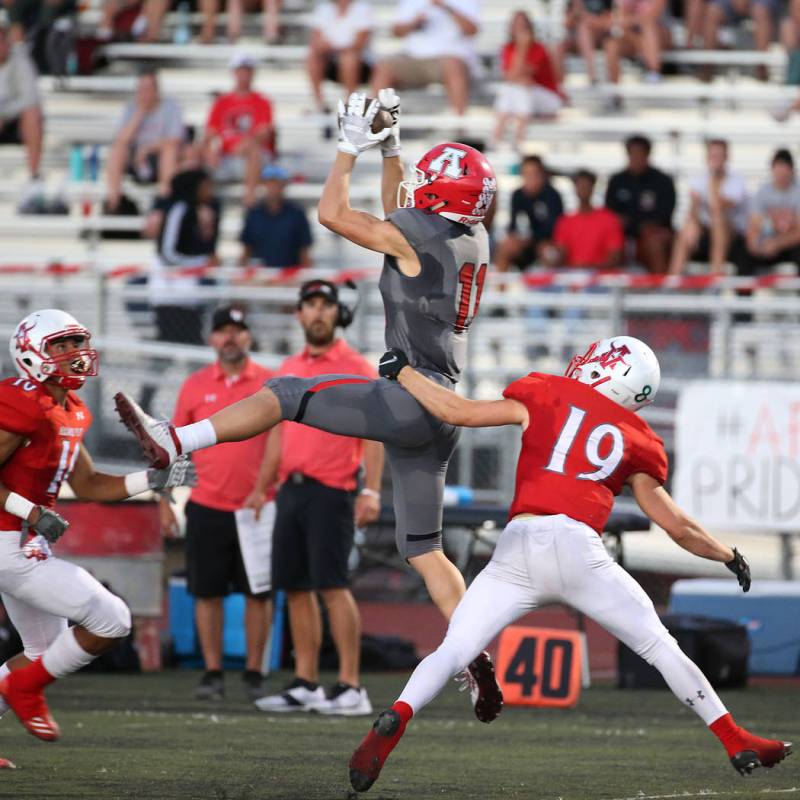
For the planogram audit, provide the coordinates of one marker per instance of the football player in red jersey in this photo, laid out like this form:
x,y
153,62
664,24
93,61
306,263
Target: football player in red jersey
x,y
42,424
581,443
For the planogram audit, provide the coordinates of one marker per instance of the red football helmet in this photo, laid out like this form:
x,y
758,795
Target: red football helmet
x,y
452,179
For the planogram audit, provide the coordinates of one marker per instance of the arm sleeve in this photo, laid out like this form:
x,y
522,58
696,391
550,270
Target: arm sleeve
x,y
525,389
652,458
18,413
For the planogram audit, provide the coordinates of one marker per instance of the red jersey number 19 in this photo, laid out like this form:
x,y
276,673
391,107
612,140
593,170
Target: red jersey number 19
x,y
606,464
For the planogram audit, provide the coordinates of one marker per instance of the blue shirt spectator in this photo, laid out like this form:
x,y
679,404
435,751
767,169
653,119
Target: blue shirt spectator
x,y
276,231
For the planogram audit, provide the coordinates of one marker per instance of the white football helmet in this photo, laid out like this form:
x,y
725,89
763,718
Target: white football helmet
x,y
622,368
28,347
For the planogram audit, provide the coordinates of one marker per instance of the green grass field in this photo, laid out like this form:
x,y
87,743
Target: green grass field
x,y
145,737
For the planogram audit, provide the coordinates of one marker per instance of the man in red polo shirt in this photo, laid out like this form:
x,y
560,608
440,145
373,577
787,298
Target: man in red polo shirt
x,y
316,517
589,237
226,476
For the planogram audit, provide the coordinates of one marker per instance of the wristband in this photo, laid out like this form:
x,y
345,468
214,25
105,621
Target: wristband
x,y
18,506
136,483
371,493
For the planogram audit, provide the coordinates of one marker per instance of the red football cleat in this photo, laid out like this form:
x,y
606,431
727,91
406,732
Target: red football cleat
x,y
31,710
6,764
370,756
758,752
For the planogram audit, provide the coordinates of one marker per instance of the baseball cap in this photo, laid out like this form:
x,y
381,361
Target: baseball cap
x,y
229,315
274,172
242,59
319,288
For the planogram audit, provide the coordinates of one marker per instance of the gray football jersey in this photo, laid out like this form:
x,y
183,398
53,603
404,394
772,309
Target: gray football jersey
x,y
428,316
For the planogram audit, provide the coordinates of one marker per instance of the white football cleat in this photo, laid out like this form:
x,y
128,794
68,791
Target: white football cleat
x,y
295,697
346,701
157,438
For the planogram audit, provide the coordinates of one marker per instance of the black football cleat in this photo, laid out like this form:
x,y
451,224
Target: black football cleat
x,y
485,692
766,756
370,756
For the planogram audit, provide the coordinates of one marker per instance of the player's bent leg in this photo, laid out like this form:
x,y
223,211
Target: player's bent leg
x,y
610,596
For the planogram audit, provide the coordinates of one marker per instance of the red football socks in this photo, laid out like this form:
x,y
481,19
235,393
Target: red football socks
x,y
32,678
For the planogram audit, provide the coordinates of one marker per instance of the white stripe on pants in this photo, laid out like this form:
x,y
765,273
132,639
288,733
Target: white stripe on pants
x,y
556,559
40,596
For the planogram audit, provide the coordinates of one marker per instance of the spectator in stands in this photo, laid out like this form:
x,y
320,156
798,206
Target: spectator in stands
x,y
276,231
240,135
731,12
188,238
639,30
773,231
439,47
235,12
530,88
338,47
215,564
589,237
644,198
21,113
587,23
147,142
535,208
717,218
315,518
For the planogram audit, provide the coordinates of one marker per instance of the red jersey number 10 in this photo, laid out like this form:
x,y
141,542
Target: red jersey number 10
x,y
470,283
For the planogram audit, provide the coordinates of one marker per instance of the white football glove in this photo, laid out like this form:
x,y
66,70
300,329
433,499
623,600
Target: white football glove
x,y
180,473
390,101
355,135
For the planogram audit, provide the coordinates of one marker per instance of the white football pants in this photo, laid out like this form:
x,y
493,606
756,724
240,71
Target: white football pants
x,y
556,559
41,595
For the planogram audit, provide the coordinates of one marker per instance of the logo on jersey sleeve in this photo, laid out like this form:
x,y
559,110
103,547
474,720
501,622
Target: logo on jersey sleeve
x,y
452,157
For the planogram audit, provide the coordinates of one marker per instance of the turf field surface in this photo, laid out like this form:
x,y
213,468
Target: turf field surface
x,y
144,736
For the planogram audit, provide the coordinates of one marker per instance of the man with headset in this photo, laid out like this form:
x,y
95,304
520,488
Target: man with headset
x,y
316,514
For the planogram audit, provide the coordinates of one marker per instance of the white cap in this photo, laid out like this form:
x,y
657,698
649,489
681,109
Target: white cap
x,y
242,59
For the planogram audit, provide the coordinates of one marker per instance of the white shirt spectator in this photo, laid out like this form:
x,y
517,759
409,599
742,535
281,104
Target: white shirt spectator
x,y
440,35
341,30
733,189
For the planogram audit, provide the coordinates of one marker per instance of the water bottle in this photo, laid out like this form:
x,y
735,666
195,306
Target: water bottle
x,y
457,495
183,31
93,163
76,163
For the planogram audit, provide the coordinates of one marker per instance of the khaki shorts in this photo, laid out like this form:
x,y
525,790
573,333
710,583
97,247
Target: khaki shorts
x,y
410,73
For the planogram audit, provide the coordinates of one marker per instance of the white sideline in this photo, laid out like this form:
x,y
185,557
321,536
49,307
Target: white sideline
x,y
711,793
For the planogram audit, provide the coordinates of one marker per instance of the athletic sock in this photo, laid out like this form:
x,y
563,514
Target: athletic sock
x,y
383,745
64,656
196,436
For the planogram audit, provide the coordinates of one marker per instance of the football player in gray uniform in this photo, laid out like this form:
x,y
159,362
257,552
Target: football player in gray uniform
x,y
436,253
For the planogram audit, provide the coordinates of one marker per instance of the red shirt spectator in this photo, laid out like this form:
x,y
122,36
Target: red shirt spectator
x,y
226,472
234,116
537,59
590,238
326,457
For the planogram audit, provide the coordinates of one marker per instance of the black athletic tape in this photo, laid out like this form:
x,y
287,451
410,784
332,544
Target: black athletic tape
x,y
421,537
301,411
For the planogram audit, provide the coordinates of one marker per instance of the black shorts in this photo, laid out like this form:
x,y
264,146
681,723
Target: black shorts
x,y
214,565
332,70
312,537
10,132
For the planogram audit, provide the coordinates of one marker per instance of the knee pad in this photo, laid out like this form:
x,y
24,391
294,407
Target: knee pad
x,y
107,615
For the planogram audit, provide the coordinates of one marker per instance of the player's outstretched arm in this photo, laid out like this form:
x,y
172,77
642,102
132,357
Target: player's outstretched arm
x,y
656,502
99,487
446,404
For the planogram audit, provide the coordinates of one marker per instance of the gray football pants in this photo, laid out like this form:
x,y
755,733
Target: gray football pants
x,y
418,446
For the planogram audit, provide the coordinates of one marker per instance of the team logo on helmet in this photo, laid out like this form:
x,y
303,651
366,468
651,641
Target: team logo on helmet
x,y
452,157
22,336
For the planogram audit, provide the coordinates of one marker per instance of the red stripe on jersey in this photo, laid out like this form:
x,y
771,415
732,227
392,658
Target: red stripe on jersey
x,y
338,382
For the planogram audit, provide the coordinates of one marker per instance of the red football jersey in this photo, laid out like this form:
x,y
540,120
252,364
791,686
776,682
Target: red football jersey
x,y
53,435
578,450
